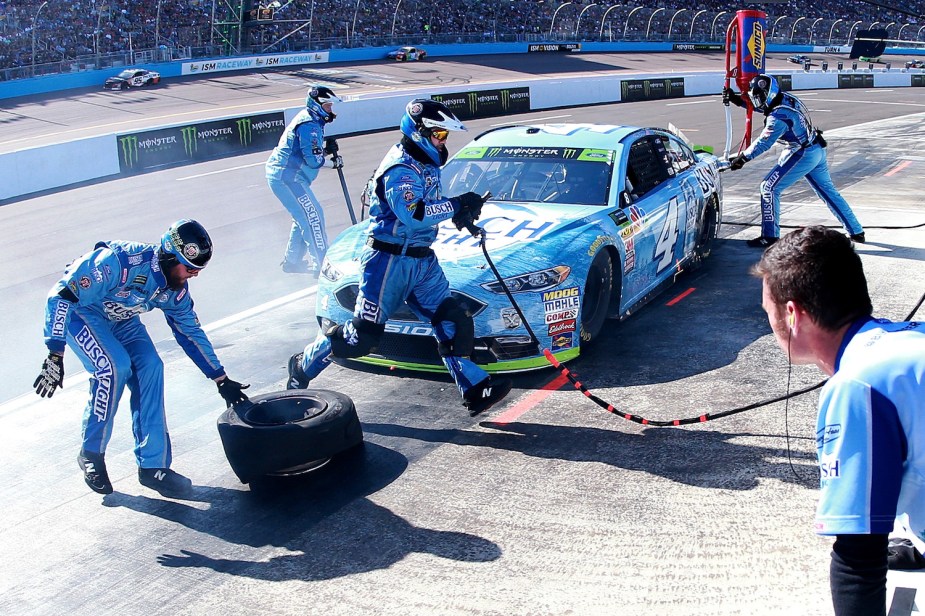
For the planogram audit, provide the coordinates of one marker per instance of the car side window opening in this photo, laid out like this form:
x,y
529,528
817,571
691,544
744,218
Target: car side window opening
x,y
648,165
680,157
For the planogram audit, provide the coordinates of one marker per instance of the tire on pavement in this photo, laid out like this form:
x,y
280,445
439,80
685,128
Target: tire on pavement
x,y
596,300
706,235
288,432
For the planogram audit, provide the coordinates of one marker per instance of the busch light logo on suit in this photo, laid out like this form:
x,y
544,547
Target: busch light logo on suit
x,y
102,394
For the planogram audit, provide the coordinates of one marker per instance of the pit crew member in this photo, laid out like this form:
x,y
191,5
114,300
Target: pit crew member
x,y
94,308
292,167
398,264
788,120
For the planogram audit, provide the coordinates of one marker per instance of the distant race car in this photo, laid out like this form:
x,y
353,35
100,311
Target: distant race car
x,y
407,54
799,59
869,58
915,64
586,222
132,78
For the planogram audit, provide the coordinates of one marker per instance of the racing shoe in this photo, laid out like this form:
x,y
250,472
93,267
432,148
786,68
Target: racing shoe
x,y
858,237
95,474
166,482
762,241
485,395
301,267
297,378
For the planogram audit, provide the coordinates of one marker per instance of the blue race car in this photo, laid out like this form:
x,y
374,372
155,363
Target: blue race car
x,y
585,223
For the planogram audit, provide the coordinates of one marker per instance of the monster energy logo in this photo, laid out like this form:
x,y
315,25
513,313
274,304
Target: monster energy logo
x,y
493,152
569,153
190,140
244,131
473,101
505,99
129,150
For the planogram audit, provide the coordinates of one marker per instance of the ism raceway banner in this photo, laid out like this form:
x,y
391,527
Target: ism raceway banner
x,y
486,103
253,63
163,147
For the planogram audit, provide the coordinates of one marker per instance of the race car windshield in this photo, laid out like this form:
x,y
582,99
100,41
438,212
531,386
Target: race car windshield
x,y
544,180
127,74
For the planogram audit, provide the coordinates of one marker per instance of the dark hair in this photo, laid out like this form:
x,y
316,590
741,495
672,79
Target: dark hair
x,y
819,269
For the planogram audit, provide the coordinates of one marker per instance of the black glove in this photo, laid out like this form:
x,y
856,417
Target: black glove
x,y
472,202
470,208
51,377
731,96
738,162
231,391
330,146
337,161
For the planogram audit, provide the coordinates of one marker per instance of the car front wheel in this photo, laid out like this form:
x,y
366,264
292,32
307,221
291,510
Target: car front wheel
x,y
596,298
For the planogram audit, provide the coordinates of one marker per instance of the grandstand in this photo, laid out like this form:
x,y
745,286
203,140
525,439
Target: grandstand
x,y
58,36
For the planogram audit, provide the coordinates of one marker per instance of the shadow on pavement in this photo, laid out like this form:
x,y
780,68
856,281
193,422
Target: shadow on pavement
x,y
324,516
692,457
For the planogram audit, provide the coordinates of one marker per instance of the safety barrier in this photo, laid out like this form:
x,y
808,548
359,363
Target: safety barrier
x,y
116,155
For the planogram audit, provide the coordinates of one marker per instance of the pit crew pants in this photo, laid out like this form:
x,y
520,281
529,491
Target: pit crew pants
x,y
308,232
791,166
116,354
386,281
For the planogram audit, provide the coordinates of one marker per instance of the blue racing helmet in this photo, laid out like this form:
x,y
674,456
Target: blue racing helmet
x,y
424,118
315,100
762,90
186,242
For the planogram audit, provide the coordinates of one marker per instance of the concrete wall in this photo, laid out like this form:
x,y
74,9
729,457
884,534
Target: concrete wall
x,y
98,157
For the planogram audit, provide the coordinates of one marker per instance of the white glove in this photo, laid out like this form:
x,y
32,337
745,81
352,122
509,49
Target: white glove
x,y
335,162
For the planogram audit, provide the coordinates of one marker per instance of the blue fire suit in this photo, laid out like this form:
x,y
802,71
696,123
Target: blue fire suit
x,y
113,285
405,209
805,156
290,170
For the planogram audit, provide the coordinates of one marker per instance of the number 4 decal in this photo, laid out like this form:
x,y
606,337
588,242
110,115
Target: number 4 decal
x,y
667,237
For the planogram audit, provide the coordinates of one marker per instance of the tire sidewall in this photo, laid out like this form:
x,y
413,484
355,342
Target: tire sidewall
x,y
598,288
256,450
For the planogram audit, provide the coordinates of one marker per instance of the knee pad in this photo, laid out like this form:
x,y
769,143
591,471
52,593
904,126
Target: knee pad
x,y
356,339
463,342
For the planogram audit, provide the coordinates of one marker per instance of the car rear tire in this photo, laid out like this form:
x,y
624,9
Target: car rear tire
x,y
596,300
288,433
709,228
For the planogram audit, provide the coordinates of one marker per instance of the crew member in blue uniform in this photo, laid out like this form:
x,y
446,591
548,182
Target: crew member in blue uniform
x,y
292,167
398,264
870,439
787,120
94,308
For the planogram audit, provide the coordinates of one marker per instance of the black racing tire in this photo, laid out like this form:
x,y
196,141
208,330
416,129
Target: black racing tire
x,y
123,86
709,229
596,300
288,432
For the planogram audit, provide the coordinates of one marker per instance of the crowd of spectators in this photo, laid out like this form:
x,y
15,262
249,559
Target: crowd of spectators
x,y
36,32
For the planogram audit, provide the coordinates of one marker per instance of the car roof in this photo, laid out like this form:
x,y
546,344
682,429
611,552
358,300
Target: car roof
x,y
601,136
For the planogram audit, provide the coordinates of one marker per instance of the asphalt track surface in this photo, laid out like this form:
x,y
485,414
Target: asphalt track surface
x,y
547,505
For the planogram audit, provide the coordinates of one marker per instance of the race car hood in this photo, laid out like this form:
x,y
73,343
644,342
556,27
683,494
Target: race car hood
x,y
510,227
513,226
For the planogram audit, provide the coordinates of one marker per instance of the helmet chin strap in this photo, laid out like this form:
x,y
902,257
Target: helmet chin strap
x,y
166,261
